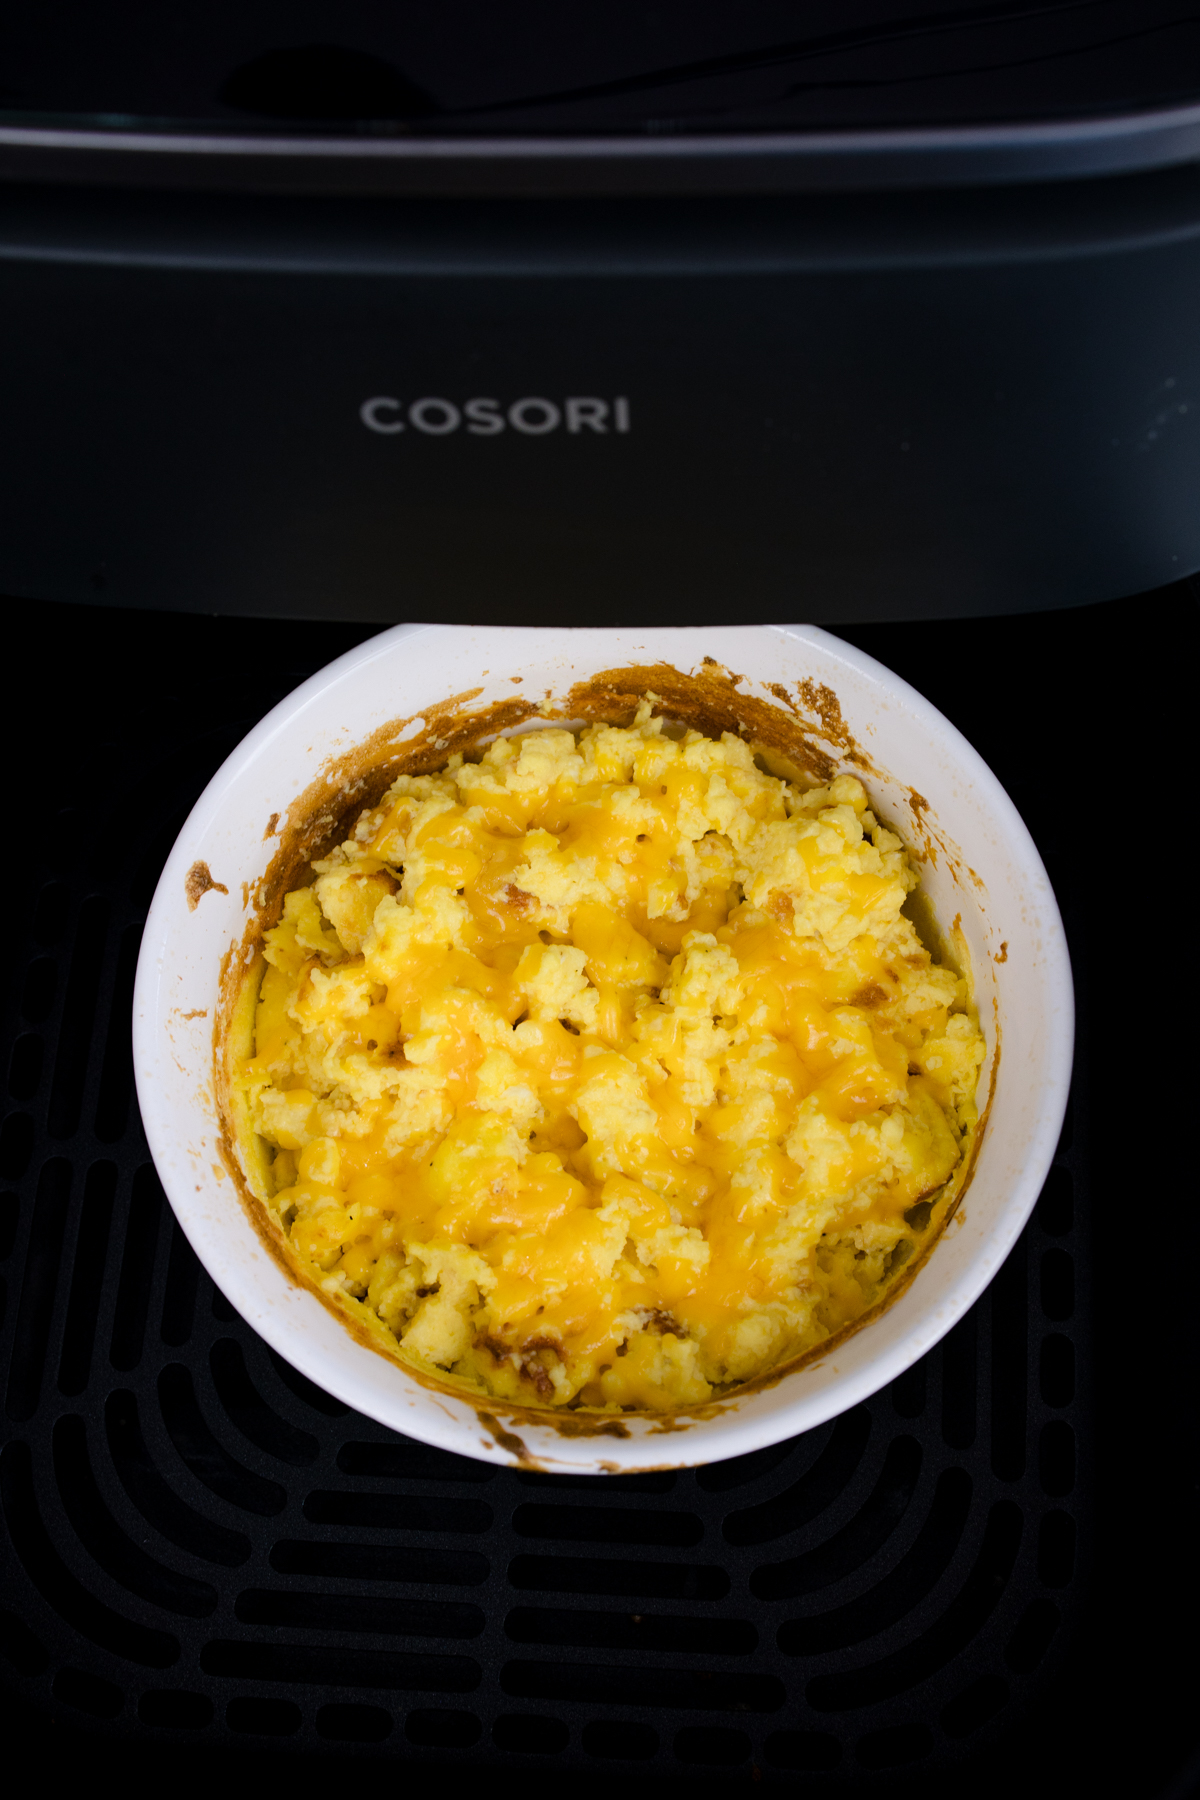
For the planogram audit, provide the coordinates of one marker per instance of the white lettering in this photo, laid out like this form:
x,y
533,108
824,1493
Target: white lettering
x,y
435,417
519,416
485,417
532,416
592,413
370,410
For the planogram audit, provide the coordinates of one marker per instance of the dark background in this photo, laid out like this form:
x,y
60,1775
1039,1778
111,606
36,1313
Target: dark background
x,y
1086,717
471,66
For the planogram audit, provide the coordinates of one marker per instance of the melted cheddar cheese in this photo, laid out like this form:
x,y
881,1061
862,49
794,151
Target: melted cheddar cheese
x,y
606,1070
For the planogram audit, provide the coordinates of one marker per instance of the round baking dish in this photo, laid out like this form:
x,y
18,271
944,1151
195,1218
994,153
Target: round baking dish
x,y
417,684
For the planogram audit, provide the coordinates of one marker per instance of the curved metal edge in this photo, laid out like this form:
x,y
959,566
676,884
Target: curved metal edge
x,y
751,163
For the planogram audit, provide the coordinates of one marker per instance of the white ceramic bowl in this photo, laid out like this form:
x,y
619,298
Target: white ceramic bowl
x,y
925,779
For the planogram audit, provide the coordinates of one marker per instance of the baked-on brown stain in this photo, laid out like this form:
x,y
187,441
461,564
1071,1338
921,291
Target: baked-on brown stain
x,y
933,843
508,1440
708,701
322,816
1001,955
575,1422
816,698
197,882
710,662
272,822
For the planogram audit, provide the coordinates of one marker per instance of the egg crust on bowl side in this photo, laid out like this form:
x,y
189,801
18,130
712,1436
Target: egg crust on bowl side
x,y
604,1069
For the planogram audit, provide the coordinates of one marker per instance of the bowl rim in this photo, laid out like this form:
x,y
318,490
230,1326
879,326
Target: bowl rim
x,y
725,1430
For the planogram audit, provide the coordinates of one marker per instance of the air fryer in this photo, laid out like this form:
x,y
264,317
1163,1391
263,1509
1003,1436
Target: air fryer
x,y
881,316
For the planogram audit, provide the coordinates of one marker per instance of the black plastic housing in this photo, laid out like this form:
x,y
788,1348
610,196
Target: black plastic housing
x,y
850,407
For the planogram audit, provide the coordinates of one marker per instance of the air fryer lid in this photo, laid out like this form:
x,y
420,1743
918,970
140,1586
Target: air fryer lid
x,y
456,311
469,95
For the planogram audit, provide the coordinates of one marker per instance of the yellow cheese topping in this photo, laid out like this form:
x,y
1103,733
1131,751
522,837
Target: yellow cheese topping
x,y
606,1070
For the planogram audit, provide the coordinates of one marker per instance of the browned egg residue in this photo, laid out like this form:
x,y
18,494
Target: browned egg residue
x,y
822,702
199,882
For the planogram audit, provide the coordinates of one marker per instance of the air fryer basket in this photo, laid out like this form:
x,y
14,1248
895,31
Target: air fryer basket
x,y
202,1551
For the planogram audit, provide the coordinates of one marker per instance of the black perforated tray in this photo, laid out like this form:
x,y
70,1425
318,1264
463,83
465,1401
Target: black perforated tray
x,y
203,1552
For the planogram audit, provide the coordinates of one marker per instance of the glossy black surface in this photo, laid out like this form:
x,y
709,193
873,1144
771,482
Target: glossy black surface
x,y
873,407
461,67
206,1561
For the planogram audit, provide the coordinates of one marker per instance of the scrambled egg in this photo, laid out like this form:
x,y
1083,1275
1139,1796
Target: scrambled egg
x,y
606,1070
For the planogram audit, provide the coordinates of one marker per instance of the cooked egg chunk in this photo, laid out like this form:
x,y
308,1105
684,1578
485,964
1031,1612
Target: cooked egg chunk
x,y
607,1070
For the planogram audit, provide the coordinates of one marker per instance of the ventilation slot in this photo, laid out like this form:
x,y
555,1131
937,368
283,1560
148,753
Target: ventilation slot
x,y
397,1512
325,1665
600,1684
179,1296
146,1207
79,1008
380,1562
87,1278
594,1575
116,1070
655,1632
361,1613
38,1289
607,1525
